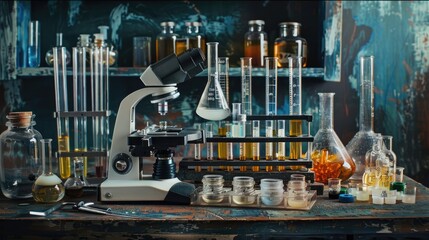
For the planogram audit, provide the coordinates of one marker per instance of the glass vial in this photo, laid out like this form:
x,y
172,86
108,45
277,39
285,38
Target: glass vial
x,y
34,45
269,132
255,145
272,192
281,146
210,145
61,105
295,88
290,44
212,104
113,53
243,190
74,185
49,57
213,188
48,188
229,147
224,76
197,149
256,43
364,139
330,157
19,156
166,40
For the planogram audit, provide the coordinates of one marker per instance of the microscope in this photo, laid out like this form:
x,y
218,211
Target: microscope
x,y
126,180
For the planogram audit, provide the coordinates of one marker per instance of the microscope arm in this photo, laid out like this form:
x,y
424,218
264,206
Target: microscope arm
x,y
125,124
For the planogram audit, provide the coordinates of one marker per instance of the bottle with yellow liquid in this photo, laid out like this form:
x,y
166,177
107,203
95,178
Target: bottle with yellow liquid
x,y
256,43
166,41
377,165
330,157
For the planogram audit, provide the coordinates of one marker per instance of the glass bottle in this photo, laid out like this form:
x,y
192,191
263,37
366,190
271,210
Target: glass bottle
x,y
290,44
390,177
194,36
49,57
166,40
48,187
330,157
256,43
113,53
84,41
376,163
363,140
19,158
212,104
74,185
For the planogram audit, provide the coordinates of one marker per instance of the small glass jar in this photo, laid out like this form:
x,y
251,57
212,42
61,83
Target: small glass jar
x,y
272,192
19,156
290,44
194,36
166,40
213,188
256,43
243,190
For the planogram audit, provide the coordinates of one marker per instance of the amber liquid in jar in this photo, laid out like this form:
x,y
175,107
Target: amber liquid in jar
x,y
254,50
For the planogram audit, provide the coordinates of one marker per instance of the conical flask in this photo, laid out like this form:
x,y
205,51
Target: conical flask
x,y
213,105
330,157
364,139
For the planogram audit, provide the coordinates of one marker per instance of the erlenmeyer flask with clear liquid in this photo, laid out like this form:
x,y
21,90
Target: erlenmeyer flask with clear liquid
x,y
213,105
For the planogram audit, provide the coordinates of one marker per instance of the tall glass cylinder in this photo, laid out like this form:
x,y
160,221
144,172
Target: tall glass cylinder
x,y
224,76
210,147
295,88
281,146
246,99
269,132
255,145
100,102
79,101
212,105
197,149
364,139
271,85
61,105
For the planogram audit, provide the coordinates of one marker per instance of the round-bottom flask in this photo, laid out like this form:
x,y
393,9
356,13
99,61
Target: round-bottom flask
x,y
74,185
48,187
330,157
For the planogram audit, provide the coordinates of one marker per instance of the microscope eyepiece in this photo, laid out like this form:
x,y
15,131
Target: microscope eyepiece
x,y
192,61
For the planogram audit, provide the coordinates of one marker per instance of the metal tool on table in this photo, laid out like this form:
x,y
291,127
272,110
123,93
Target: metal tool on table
x,y
126,180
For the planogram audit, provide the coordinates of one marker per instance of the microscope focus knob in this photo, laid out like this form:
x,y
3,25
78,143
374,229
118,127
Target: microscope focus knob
x,y
122,163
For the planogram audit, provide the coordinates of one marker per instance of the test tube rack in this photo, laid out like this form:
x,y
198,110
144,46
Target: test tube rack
x,y
193,170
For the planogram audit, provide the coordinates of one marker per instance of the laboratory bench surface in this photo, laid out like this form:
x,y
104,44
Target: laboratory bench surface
x,y
327,219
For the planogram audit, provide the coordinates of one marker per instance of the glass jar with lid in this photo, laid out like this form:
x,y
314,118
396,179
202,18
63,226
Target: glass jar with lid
x,y
256,43
194,36
290,44
20,162
166,40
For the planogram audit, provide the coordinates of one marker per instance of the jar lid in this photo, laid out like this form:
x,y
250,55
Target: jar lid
x,y
194,24
256,22
295,24
169,24
269,183
243,181
346,198
20,119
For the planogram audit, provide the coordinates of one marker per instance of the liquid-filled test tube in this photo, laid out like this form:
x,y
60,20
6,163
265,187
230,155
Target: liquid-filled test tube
x,y
79,101
223,63
210,155
221,146
269,132
229,147
197,149
246,97
281,148
271,85
295,87
61,105
255,145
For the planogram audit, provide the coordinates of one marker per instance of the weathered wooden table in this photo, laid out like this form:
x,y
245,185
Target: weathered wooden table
x,y
327,219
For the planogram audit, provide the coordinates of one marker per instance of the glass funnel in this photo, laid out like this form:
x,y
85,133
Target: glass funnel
x,y
362,142
212,105
330,157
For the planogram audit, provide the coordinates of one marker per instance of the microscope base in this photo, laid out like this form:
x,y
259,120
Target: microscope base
x,y
171,191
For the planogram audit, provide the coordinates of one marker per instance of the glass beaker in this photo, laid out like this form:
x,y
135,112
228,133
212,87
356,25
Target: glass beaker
x,y
212,105
330,157
48,187
362,142
19,158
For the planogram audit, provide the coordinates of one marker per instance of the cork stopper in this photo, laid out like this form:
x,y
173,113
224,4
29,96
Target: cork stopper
x,y
20,119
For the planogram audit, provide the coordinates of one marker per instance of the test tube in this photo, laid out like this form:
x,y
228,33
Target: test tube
x,y
295,128
229,147
197,149
255,145
61,105
246,97
223,63
99,101
271,85
281,149
221,146
269,132
210,155
79,101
